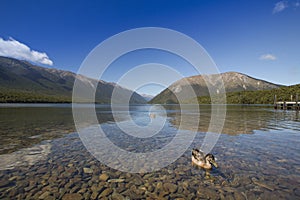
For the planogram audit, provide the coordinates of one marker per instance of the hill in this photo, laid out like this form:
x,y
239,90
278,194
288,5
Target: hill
x,y
233,82
21,81
257,97
147,97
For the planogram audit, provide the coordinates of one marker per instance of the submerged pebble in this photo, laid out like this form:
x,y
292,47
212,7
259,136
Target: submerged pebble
x,y
249,168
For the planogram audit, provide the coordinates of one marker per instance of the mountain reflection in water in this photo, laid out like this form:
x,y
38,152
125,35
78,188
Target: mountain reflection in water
x,y
43,158
239,119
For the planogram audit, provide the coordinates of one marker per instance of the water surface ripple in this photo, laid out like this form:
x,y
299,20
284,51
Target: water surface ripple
x,y
42,156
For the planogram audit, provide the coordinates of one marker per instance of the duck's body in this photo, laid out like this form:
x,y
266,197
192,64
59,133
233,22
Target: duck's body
x,y
202,161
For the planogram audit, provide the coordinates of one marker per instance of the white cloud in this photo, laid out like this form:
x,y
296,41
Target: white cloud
x,y
280,6
15,49
267,57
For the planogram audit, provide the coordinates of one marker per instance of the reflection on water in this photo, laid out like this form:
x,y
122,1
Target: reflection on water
x,y
23,126
258,156
239,119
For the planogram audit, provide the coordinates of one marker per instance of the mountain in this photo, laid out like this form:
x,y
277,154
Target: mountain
x,y
21,81
284,93
147,97
233,82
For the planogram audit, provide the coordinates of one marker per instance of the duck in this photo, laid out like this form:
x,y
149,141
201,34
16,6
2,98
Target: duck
x,y
205,162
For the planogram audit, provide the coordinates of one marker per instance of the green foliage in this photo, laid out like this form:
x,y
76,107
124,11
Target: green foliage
x,y
257,97
16,96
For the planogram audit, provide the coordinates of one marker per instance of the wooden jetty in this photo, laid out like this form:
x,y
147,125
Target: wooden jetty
x,y
287,105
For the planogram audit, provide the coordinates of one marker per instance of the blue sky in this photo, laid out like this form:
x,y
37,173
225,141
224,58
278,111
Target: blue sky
x,y
258,38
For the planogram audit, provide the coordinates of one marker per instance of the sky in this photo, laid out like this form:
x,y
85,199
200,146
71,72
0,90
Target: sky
x,y
257,38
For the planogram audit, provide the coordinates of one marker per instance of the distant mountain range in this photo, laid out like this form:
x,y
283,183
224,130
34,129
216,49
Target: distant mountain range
x,y
148,97
21,81
233,82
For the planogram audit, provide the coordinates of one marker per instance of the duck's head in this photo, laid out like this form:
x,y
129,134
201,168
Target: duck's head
x,y
209,158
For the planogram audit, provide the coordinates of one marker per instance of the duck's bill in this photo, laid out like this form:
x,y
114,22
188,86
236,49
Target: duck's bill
x,y
214,164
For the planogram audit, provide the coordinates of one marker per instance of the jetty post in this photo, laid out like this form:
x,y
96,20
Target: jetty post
x,y
284,105
275,101
297,105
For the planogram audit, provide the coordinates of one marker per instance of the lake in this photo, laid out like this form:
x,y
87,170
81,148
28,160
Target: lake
x,y
43,157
